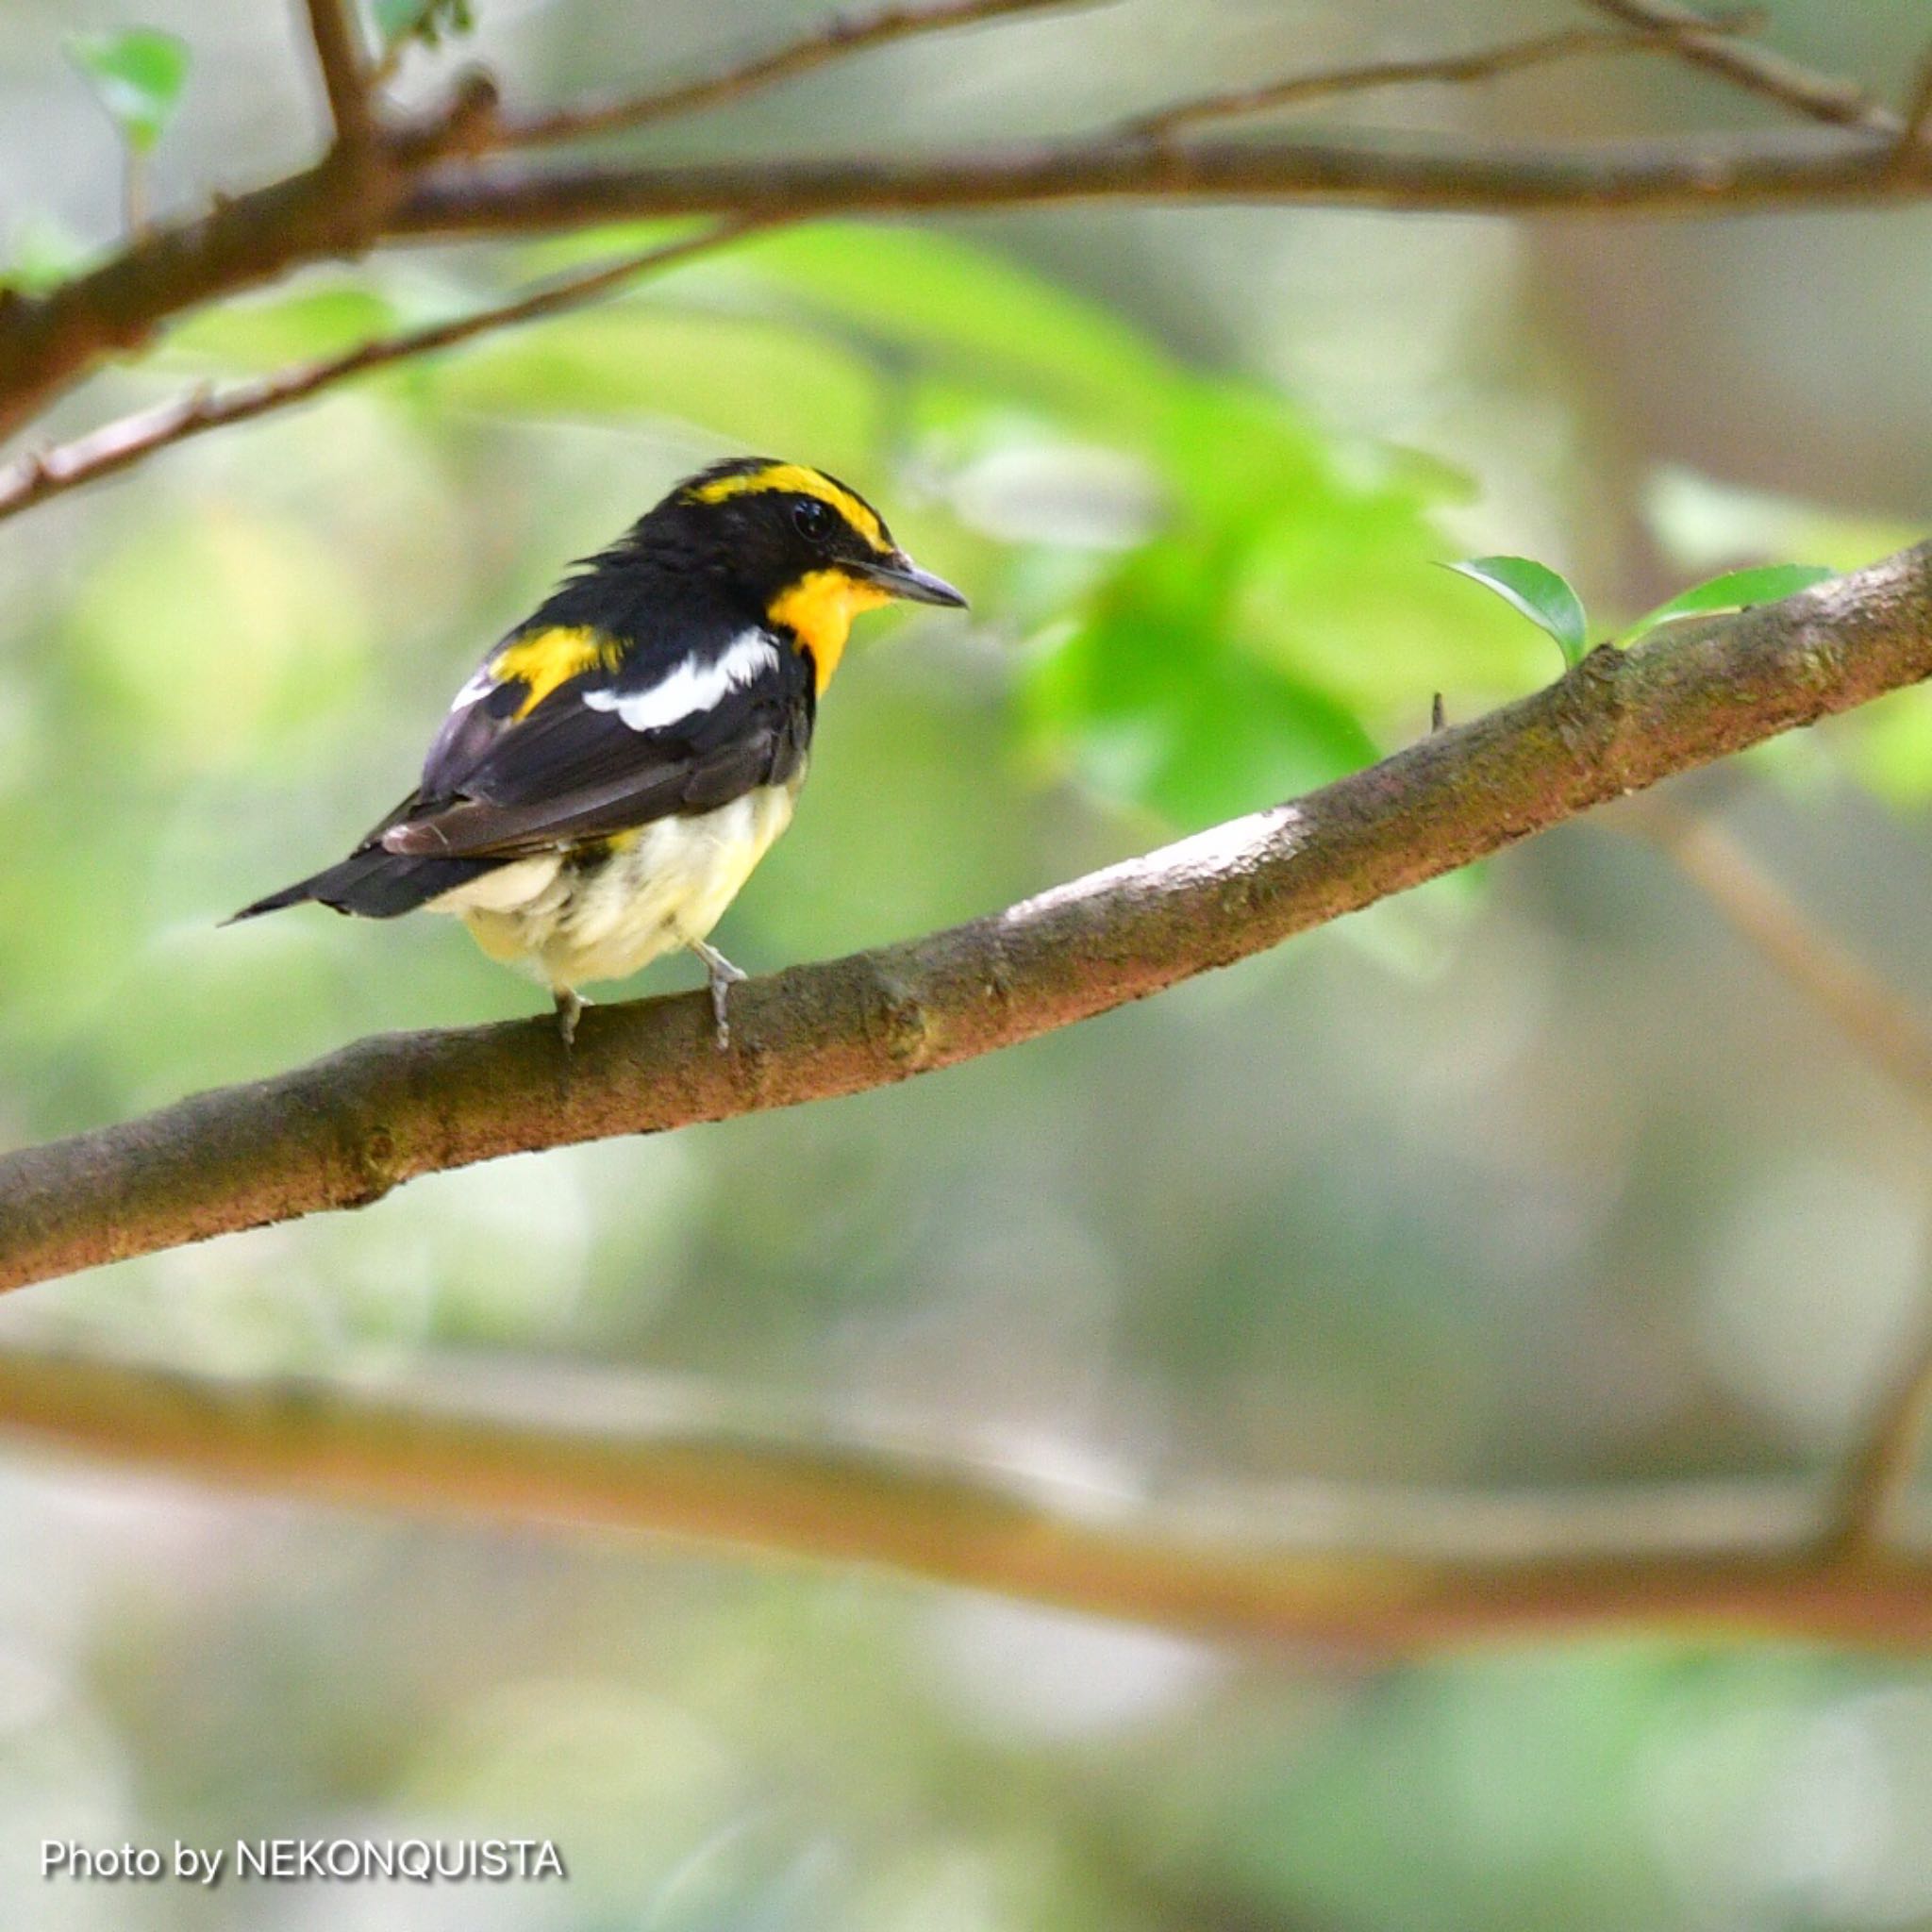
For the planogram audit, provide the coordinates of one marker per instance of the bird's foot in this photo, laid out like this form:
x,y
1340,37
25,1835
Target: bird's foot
x,y
724,975
570,1006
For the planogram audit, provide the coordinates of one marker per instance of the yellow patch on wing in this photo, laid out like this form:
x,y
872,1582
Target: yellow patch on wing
x,y
819,610
800,481
547,658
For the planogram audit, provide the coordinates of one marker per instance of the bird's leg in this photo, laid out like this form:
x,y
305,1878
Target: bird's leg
x,y
570,1004
724,976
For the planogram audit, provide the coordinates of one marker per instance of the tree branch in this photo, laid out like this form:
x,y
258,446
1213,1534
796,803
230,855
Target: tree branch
x,y
1659,177
1480,64
837,40
41,473
322,213
1374,1570
407,188
48,342
1701,40
343,1131
344,77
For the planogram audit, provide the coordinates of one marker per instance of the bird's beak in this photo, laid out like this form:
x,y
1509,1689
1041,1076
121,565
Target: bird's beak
x,y
899,576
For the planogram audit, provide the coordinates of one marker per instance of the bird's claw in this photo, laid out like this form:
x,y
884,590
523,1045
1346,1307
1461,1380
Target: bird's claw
x,y
723,975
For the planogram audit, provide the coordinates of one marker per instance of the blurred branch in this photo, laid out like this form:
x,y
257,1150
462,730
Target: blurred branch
x,y
1702,40
1889,1033
343,1131
1480,64
323,213
41,473
1372,1570
837,40
344,77
1878,1476
1657,177
1882,1025
434,177
1917,122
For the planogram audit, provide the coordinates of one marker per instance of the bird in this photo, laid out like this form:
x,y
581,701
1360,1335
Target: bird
x,y
610,777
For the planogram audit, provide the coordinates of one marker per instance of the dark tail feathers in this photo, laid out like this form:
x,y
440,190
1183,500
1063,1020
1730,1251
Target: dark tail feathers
x,y
374,884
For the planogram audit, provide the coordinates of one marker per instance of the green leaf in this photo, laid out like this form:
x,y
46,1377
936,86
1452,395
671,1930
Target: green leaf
x,y
137,75
1157,693
1736,590
760,383
319,319
45,254
421,19
1539,592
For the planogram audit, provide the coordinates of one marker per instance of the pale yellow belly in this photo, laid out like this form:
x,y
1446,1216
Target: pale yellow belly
x,y
664,886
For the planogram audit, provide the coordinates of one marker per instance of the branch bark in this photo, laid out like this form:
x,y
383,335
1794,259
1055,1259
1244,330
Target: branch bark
x,y
48,342
1652,177
343,1131
1372,1571
343,79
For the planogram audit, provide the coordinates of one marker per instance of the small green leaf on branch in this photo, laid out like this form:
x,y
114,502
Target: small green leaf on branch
x,y
137,75
1539,592
1736,590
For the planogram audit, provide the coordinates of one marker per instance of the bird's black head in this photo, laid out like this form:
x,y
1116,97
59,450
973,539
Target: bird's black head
x,y
806,551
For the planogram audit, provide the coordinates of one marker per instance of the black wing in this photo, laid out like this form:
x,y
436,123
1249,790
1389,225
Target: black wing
x,y
609,749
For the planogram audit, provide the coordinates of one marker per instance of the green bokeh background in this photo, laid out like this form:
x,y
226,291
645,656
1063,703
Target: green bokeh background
x,y
1533,1178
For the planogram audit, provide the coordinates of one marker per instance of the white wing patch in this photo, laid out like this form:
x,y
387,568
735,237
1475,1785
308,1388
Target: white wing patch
x,y
692,686
479,687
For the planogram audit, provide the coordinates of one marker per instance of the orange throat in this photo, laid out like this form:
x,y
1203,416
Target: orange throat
x,y
818,610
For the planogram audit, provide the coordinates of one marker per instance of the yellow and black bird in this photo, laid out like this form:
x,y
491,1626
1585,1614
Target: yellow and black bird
x,y
605,784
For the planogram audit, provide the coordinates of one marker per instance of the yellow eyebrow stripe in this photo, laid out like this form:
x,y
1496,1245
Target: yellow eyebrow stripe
x,y
800,481
547,658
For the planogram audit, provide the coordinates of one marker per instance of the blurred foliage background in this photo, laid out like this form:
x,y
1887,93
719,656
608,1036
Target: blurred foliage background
x,y
1535,1177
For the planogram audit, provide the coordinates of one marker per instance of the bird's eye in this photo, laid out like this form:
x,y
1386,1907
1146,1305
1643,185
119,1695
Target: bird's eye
x,y
812,519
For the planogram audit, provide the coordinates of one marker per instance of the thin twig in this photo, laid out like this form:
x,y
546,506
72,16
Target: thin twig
x,y
134,193
1879,1474
1886,1028
344,77
117,446
1480,64
837,40
1698,39
1375,1570
49,342
1893,1037
1917,119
